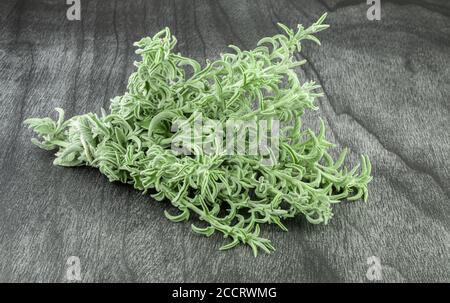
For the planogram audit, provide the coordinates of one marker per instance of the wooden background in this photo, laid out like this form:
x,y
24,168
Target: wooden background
x,y
387,92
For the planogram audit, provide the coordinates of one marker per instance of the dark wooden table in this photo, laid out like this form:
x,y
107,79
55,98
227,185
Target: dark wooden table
x,y
387,94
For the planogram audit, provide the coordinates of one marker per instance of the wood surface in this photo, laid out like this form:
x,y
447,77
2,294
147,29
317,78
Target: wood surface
x,y
387,94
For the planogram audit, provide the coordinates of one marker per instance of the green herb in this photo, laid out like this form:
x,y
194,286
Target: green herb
x,y
230,194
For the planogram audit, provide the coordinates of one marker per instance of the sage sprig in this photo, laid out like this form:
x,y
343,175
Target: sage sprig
x,y
230,194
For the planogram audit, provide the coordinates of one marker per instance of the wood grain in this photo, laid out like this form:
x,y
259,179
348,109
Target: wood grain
x,y
387,95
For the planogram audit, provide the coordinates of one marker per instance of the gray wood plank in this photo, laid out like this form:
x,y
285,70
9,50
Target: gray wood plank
x,y
386,87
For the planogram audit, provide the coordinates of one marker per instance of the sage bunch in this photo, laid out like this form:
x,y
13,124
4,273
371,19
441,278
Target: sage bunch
x,y
228,194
